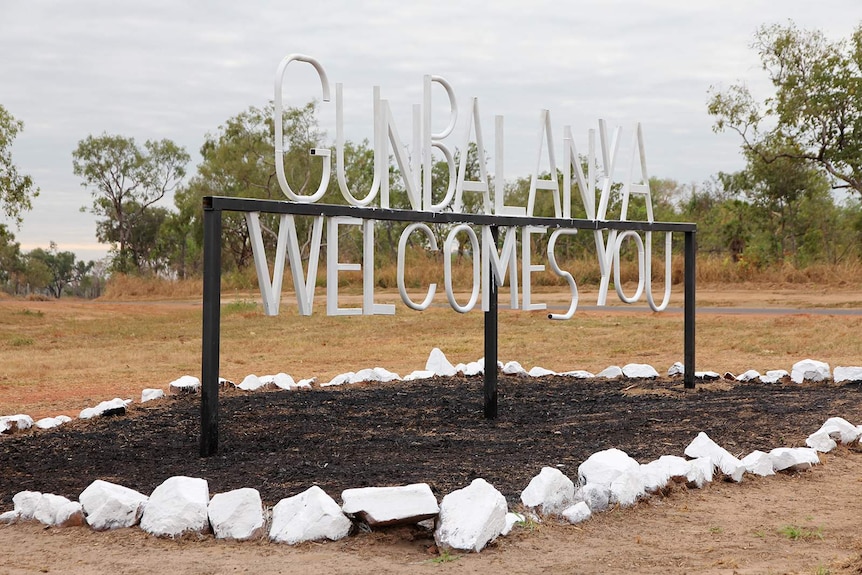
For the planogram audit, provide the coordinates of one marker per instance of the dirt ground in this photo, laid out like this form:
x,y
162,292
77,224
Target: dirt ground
x,y
433,431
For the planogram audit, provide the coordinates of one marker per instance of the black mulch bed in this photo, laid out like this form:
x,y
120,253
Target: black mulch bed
x,y
426,431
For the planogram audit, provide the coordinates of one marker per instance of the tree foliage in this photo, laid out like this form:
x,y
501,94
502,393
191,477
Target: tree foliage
x,y
125,181
814,116
16,190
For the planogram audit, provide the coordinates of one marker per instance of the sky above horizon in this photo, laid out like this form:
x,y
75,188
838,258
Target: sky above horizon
x,y
179,70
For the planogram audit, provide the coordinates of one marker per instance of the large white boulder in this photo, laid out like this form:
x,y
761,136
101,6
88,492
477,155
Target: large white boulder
x,y
658,473
310,516
605,466
821,441
793,458
759,463
841,430
551,491
252,382
51,422
701,472
639,371
111,506
381,506
578,374
627,488
471,517
472,368
597,496
419,374
58,511
847,374
810,370
577,513
438,364
676,369
339,379
177,506
237,514
184,384
703,446
25,503
114,406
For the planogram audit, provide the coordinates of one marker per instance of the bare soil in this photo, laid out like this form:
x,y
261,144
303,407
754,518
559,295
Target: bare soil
x,y
433,431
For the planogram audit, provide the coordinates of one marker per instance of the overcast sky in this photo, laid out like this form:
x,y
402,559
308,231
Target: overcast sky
x,y
178,69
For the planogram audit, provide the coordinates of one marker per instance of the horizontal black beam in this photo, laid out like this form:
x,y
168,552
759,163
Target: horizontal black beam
x,y
222,203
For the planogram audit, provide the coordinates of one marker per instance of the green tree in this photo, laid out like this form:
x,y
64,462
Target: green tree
x,y
60,266
11,261
125,181
814,116
16,190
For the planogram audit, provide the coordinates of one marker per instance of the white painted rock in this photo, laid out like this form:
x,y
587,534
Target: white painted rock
x,y
237,514
438,364
841,430
577,513
657,474
382,506
750,375
310,516
340,379
759,463
550,490
627,488
773,376
19,422
376,374
10,517
639,371
111,506
793,458
151,394
512,519
183,385
113,407
605,466
847,374
820,441
177,506
281,381
537,371
611,372
701,471
419,374
251,382
706,375
305,383
578,374
57,511
596,495
472,368
703,446
471,517
25,503
676,369
514,368
810,370
51,422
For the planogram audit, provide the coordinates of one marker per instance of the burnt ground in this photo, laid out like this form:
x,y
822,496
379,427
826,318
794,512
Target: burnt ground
x,y
425,431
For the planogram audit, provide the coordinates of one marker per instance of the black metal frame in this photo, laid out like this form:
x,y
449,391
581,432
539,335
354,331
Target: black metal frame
x,y
213,206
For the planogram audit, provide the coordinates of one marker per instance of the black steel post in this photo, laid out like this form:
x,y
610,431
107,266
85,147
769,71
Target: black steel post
x,y
211,329
689,312
490,392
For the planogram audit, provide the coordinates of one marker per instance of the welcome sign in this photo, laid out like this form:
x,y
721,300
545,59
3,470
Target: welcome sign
x,y
492,260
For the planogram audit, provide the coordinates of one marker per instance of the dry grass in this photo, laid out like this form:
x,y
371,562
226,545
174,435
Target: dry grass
x,y
61,356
